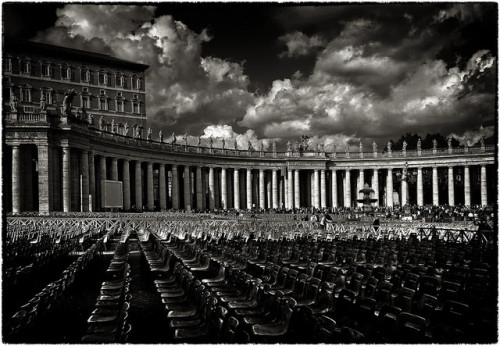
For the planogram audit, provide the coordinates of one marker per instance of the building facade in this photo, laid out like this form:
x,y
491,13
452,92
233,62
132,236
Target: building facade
x,y
59,148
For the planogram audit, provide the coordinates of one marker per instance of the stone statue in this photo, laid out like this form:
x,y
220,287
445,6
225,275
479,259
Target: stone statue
x,y
434,143
150,134
138,132
374,145
274,146
297,146
449,142
199,140
318,147
288,146
160,135
13,103
43,103
322,147
334,148
466,140
223,143
173,138
90,119
185,138
101,123
360,147
261,145
404,145
250,147
68,99
389,146
211,142
481,140
419,144
125,132
235,144
347,148
113,125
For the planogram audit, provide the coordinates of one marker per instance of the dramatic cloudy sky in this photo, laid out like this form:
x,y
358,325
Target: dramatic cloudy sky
x,y
340,73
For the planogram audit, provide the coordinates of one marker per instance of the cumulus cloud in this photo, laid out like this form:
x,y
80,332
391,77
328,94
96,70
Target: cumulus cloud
x,y
182,86
298,44
474,136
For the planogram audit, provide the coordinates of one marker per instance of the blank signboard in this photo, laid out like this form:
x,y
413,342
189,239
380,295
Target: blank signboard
x,y
112,194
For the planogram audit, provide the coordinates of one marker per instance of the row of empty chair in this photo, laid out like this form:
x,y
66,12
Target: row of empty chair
x,y
108,322
371,290
24,319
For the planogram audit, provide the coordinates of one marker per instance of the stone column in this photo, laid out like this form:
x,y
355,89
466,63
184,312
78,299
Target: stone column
x,y
275,188
187,188
389,188
84,172
92,179
217,192
451,187
347,188
43,179
114,169
66,179
420,187
316,189
126,185
484,191
102,177
404,192
268,189
290,189
262,196
249,188
297,188
466,186
138,186
435,189
323,189
199,188
375,187
335,202
211,189
149,186
361,184
223,187
162,186
175,187
16,180
236,182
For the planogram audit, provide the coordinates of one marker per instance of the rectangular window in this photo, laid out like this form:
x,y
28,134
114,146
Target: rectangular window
x,y
48,97
119,106
26,67
103,105
8,65
47,70
136,108
85,76
138,84
86,102
66,73
26,95
103,78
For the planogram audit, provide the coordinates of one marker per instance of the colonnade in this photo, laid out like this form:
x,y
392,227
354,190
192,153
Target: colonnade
x,y
148,185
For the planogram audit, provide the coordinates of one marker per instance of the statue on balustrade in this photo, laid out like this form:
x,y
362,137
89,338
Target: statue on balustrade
x,y
296,146
185,138
90,119
374,145
150,134
113,126
138,132
250,147
13,103
389,146
481,140
211,142
126,130
466,140
347,148
360,147
223,143
288,146
43,103
334,148
199,140
235,144
261,145
173,138
102,124
322,147
68,100
434,143
160,136
449,142
419,144
274,146
404,145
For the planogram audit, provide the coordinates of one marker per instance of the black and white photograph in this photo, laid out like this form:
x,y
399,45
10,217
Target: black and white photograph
x,y
249,172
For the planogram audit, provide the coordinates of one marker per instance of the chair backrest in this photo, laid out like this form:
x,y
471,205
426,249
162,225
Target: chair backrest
x,y
413,321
